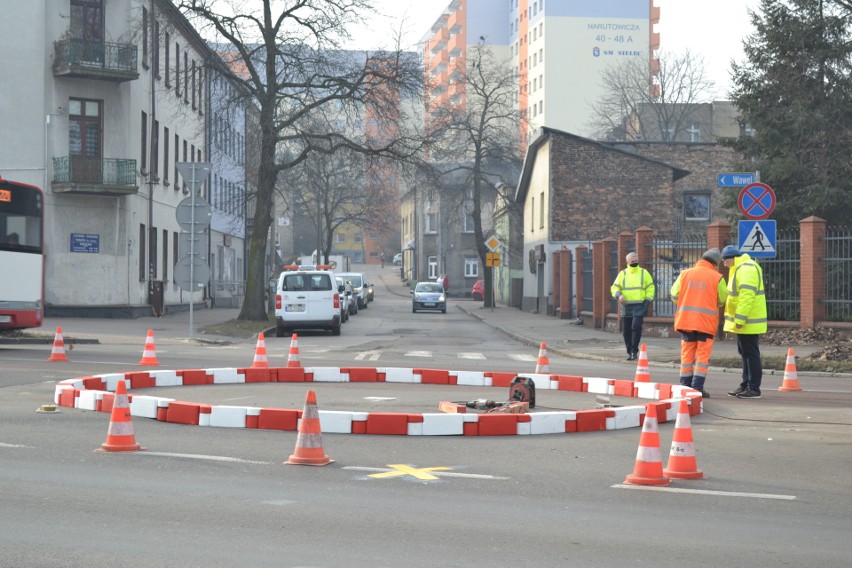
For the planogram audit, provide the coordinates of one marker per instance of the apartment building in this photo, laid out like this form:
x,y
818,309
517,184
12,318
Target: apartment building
x,y
109,97
557,48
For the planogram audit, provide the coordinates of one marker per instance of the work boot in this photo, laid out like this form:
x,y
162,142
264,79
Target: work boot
x,y
749,393
735,393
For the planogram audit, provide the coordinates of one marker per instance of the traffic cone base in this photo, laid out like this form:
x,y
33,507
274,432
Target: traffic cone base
x,y
309,450
120,436
791,375
543,363
293,357
682,464
649,466
643,371
149,354
260,359
57,353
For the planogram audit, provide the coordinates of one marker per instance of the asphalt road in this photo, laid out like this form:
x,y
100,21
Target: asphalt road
x,y
776,491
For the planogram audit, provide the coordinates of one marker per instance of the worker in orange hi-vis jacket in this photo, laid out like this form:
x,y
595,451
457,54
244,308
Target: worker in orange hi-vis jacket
x,y
698,293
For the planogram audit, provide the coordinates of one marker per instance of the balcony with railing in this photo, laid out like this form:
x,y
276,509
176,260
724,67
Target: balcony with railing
x,y
99,60
107,176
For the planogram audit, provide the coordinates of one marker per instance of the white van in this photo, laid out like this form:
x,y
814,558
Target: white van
x,y
359,286
307,297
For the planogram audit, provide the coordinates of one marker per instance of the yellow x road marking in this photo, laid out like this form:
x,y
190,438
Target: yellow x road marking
x,y
402,469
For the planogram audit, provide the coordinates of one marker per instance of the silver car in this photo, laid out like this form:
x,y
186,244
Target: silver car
x,y
428,296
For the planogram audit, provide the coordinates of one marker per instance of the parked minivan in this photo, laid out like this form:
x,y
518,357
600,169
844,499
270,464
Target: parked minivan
x,y
307,297
359,286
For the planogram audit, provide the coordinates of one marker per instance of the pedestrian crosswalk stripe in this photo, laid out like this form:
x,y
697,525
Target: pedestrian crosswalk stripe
x,y
368,355
419,354
522,357
471,356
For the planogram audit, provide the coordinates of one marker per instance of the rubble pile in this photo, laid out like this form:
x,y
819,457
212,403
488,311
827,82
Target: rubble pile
x,y
837,346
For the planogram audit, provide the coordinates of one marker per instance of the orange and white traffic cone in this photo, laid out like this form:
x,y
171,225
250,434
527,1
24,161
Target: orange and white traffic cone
x,y
309,450
149,354
682,464
58,351
643,371
260,359
120,436
543,363
293,357
791,376
649,466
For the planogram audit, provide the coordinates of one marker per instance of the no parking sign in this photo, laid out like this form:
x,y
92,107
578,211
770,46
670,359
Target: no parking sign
x,y
756,201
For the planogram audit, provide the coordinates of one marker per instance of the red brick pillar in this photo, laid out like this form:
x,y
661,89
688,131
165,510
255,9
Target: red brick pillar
x,y
812,271
579,253
601,251
565,284
719,236
645,250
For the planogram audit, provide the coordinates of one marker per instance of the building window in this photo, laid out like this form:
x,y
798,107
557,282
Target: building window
x,y
433,266
165,255
175,252
177,159
177,70
359,237
532,215
471,267
143,163
155,49
155,149
468,223
696,206
541,211
145,37
166,155
168,47
339,237
431,222
694,132
143,270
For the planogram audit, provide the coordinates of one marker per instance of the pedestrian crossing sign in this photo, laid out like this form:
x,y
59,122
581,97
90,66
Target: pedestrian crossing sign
x,y
757,238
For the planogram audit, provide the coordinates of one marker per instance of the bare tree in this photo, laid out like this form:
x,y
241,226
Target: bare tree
x,y
286,57
477,138
640,103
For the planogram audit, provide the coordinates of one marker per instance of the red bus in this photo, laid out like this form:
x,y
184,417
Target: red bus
x,y
21,255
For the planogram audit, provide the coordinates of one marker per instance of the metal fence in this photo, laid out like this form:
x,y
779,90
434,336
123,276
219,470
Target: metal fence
x,y
613,270
669,257
838,274
588,282
781,277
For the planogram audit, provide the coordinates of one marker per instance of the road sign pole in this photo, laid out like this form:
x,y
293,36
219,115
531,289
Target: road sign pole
x,y
192,252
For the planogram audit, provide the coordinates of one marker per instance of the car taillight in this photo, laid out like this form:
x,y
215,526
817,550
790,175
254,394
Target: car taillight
x,y
337,301
277,301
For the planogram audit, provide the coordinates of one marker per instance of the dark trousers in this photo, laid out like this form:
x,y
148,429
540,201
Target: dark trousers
x,y
748,346
632,332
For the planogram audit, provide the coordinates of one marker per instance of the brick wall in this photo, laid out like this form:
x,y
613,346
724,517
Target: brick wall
x,y
598,191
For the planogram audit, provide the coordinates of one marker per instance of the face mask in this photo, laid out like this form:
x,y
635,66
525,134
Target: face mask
x,y
634,264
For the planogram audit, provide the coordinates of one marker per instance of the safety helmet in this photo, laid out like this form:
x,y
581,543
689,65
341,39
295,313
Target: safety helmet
x,y
730,251
713,255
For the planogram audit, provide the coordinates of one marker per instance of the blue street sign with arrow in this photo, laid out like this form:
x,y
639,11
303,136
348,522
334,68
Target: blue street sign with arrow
x,y
734,180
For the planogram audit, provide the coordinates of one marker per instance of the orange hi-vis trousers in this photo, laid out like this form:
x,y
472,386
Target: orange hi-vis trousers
x,y
694,362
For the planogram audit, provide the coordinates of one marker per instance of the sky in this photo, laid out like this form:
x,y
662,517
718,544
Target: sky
x,y
713,29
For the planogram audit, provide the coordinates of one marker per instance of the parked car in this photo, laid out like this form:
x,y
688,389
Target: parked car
x,y
307,297
397,258
478,290
346,301
428,296
351,303
358,286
